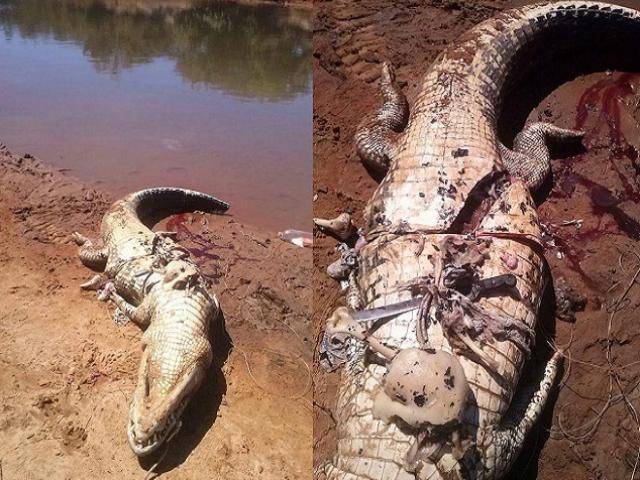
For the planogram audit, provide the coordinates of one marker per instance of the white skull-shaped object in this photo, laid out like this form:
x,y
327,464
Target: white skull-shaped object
x,y
423,387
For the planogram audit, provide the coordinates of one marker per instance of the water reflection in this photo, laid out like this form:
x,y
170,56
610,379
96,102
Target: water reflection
x,y
133,93
260,51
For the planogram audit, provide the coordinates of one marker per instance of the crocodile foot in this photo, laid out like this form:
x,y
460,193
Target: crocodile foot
x,y
374,136
90,256
341,268
94,283
345,271
341,227
119,317
530,159
338,270
341,343
105,293
161,237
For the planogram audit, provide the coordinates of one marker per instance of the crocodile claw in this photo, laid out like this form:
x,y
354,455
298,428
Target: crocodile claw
x,y
119,317
348,261
94,283
105,293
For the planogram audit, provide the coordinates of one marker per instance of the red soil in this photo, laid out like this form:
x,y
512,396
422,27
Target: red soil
x,y
599,259
68,372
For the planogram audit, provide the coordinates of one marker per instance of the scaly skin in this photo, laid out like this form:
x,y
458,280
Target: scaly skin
x,y
154,283
449,146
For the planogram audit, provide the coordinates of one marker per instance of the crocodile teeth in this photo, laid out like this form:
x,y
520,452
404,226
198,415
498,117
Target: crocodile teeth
x,y
340,227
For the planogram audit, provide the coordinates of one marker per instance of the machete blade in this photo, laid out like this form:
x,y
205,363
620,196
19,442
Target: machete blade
x,y
387,311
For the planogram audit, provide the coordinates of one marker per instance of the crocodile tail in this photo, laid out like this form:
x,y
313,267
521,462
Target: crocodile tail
x,y
503,445
153,204
488,62
519,42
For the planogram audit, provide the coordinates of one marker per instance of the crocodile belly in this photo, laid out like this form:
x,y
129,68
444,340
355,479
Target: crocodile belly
x,y
371,448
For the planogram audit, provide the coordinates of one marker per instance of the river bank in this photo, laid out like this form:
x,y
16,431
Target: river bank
x,y
68,372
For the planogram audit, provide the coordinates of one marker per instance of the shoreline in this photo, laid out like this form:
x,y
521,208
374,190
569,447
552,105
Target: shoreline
x,y
69,371
175,105
148,5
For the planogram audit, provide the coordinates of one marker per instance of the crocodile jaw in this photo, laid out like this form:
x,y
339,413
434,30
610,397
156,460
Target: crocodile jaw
x,y
146,444
155,418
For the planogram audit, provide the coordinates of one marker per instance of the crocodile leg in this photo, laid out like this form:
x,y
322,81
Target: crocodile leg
x,y
374,137
530,159
505,441
140,315
90,256
354,298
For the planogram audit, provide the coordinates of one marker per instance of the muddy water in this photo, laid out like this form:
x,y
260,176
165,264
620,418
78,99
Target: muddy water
x,y
208,95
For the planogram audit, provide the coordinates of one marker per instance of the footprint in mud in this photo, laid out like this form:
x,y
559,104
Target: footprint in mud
x,y
54,418
263,304
277,372
72,436
47,404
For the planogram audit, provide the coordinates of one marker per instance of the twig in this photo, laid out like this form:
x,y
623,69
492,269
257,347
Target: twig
x,y
299,395
614,374
326,411
592,425
259,242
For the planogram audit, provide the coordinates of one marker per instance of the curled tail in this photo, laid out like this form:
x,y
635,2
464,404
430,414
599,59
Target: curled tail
x,y
153,204
505,442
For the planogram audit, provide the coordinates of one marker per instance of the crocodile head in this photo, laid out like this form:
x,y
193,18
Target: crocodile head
x,y
159,400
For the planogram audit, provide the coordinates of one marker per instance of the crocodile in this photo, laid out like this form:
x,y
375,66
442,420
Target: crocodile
x,y
153,282
450,263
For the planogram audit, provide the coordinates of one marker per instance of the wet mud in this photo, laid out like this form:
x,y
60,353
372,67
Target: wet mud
x,y
589,206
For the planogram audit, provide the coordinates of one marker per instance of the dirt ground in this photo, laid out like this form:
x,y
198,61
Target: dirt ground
x,y
590,428
68,372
